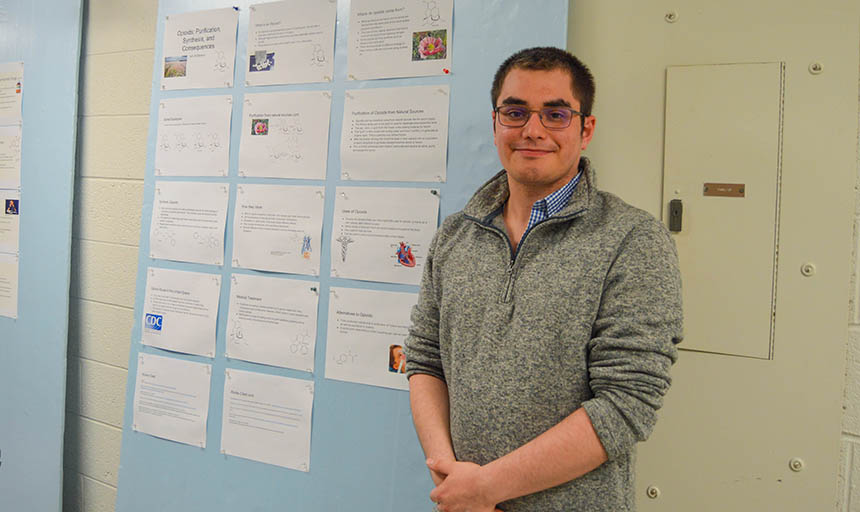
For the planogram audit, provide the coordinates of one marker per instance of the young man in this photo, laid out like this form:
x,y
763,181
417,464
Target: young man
x,y
549,311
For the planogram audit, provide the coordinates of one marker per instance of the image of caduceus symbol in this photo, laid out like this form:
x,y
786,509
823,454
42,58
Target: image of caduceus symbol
x,y
344,243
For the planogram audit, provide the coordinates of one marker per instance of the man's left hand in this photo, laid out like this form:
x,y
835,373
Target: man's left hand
x,y
463,490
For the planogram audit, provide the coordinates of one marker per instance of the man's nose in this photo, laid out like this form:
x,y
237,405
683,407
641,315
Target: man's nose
x,y
534,129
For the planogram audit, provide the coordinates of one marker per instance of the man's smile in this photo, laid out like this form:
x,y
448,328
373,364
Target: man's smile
x,y
532,151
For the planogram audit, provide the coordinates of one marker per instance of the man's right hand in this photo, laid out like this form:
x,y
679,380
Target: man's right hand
x,y
437,477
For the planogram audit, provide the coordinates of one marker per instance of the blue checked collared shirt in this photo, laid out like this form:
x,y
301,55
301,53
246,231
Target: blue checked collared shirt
x,y
551,204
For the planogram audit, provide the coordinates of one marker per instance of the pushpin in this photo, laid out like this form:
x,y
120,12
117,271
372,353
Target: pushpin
x,y
445,70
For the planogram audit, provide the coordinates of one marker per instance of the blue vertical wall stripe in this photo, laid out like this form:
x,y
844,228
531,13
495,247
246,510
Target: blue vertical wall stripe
x,y
365,455
46,36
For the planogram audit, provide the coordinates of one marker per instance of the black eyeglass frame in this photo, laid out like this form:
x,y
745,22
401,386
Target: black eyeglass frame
x,y
540,116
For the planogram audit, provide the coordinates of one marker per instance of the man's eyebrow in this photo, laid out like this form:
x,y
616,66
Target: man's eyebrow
x,y
556,103
512,100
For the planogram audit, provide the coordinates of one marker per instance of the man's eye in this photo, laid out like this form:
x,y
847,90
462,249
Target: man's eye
x,y
515,114
556,115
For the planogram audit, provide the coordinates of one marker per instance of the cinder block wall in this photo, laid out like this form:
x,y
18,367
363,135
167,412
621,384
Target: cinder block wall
x,y
116,73
849,474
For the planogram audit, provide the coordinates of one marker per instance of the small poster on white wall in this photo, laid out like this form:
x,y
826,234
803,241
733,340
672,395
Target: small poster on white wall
x,y
366,329
11,92
267,418
399,38
10,222
199,49
193,136
9,285
10,156
291,42
171,399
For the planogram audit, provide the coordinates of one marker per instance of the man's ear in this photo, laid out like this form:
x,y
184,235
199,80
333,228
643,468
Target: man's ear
x,y
588,126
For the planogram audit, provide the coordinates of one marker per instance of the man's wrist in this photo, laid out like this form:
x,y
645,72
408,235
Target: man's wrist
x,y
489,484
440,455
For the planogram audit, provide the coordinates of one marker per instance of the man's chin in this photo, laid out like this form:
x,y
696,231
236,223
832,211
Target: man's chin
x,y
537,177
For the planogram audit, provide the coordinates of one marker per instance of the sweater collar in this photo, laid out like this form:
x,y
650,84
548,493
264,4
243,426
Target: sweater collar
x,y
492,195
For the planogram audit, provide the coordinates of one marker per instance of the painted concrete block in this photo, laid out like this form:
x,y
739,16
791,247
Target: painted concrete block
x,y
851,399
853,479
113,26
108,210
841,476
102,392
116,83
92,448
73,385
857,184
854,276
103,272
112,147
97,496
72,487
100,332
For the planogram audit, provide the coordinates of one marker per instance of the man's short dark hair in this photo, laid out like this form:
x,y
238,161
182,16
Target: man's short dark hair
x,y
548,59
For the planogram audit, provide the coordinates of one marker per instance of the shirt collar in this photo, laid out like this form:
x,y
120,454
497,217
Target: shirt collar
x,y
552,204
489,200
556,201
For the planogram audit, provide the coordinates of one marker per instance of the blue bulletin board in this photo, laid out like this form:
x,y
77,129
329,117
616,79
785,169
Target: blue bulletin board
x,y
46,36
365,455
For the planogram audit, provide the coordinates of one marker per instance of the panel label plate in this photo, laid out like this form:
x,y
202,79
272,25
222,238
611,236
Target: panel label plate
x,y
724,189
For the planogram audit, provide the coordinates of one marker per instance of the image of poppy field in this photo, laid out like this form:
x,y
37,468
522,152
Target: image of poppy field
x,y
429,45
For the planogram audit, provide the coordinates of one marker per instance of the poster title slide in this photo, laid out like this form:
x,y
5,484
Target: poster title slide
x,y
359,314
381,11
386,112
170,290
198,35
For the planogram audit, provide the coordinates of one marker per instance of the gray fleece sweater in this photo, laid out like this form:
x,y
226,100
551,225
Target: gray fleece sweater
x,y
586,313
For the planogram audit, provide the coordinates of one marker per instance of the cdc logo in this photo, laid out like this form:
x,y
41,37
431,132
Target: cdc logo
x,y
152,322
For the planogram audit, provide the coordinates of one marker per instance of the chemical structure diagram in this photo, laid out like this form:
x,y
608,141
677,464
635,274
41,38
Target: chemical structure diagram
x,y
291,133
15,146
199,144
318,56
220,61
209,240
345,357
236,334
179,141
164,237
301,344
432,17
213,142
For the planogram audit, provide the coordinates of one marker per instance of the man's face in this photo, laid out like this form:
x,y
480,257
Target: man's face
x,y
535,157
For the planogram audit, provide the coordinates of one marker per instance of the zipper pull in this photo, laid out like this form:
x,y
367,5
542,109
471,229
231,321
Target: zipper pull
x,y
509,286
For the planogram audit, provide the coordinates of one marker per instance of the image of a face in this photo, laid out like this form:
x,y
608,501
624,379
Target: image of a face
x,y
535,157
397,360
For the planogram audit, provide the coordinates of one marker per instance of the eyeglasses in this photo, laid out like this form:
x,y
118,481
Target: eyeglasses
x,y
552,118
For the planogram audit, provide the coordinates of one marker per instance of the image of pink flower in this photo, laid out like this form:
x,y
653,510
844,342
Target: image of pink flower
x,y
430,46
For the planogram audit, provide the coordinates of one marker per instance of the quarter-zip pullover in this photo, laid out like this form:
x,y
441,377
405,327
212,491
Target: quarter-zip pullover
x,y
586,313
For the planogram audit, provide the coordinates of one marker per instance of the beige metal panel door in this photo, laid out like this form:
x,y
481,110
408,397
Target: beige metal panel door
x,y
722,163
732,424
